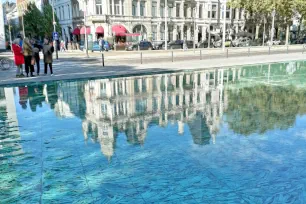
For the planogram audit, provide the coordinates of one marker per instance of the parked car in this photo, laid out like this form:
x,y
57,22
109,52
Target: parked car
x,y
158,45
143,45
96,46
179,44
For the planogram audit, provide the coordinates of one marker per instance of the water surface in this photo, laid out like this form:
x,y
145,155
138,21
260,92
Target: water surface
x,y
227,135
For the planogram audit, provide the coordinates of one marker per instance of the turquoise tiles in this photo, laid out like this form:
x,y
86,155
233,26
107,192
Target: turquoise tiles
x,y
227,135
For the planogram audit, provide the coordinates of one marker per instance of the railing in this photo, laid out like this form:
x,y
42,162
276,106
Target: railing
x,y
145,57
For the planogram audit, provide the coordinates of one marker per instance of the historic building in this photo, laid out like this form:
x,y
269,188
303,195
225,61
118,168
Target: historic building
x,y
121,18
130,104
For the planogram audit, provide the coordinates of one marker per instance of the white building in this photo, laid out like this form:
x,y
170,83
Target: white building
x,y
130,104
147,17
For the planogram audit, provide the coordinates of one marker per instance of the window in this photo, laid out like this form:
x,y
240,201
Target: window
x,y
134,8
142,8
162,32
200,11
63,12
99,7
60,13
154,6
214,11
162,10
117,7
154,32
68,11
170,10
178,10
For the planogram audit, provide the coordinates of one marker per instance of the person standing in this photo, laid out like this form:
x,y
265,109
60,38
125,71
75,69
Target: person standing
x,y
36,49
18,57
101,44
48,50
28,54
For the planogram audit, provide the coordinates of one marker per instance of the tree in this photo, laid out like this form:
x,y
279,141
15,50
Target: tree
x,y
33,21
37,24
48,21
300,8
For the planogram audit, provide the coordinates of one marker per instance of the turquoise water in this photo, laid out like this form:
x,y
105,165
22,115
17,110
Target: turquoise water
x,y
228,135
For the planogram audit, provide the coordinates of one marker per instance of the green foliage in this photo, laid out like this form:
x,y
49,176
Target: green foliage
x,y
257,110
48,21
33,21
39,24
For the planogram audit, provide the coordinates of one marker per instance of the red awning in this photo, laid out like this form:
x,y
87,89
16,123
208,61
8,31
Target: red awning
x,y
76,31
119,30
132,34
99,30
83,30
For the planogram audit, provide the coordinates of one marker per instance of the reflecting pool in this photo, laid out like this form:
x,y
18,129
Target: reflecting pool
x,y
227,135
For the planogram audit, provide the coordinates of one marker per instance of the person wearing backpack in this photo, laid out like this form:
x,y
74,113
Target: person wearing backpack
x,y
48,50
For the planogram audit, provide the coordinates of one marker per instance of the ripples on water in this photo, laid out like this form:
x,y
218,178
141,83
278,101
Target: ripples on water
x,y
230,135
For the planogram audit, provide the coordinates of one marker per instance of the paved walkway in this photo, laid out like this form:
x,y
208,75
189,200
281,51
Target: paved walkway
x,y
77,67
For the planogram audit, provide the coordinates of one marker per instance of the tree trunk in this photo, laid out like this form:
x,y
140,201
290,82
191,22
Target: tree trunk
x,y
257,32
287,35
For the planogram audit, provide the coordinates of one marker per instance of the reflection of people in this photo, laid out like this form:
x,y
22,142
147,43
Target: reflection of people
x,y
23,96
35,96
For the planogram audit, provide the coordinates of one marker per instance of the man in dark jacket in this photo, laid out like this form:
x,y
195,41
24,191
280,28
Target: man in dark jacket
x,y
48,50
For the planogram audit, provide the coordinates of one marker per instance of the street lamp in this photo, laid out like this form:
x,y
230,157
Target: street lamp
x,y
22,21
194,27
224,25
272,29
209,33
166,26
54,30
86,41
9,24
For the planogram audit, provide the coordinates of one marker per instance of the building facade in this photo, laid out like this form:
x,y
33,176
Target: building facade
x,y
190,19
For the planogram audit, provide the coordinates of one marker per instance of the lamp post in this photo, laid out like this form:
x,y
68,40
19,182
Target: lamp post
x,y
209,33
9,24
194,28
54,30
22,21
264,32
166,26
272,29
86,41
224,25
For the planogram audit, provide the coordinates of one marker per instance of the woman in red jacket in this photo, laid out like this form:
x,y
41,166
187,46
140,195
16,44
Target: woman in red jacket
x,y
18,57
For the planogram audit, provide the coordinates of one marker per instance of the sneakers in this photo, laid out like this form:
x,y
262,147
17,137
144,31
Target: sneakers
x,y
17,76
21,75
52,74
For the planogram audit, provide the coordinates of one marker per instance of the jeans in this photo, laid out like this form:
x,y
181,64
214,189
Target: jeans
x,y
19,70
46,68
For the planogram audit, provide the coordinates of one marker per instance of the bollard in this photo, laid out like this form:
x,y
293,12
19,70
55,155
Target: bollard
x,y
102,59
287,49
249,51
172,56
226,53
200,54
141,58
269,50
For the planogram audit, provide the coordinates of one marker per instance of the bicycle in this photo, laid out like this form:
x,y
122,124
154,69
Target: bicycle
x,y
6,64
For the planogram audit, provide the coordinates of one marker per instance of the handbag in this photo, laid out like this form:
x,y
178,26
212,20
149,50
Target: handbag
x,y
33,61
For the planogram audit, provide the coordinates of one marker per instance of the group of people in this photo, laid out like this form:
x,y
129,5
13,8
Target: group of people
x,y
27,52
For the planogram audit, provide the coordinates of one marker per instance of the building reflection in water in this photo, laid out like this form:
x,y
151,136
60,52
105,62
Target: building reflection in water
x,y
196,100
130,104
